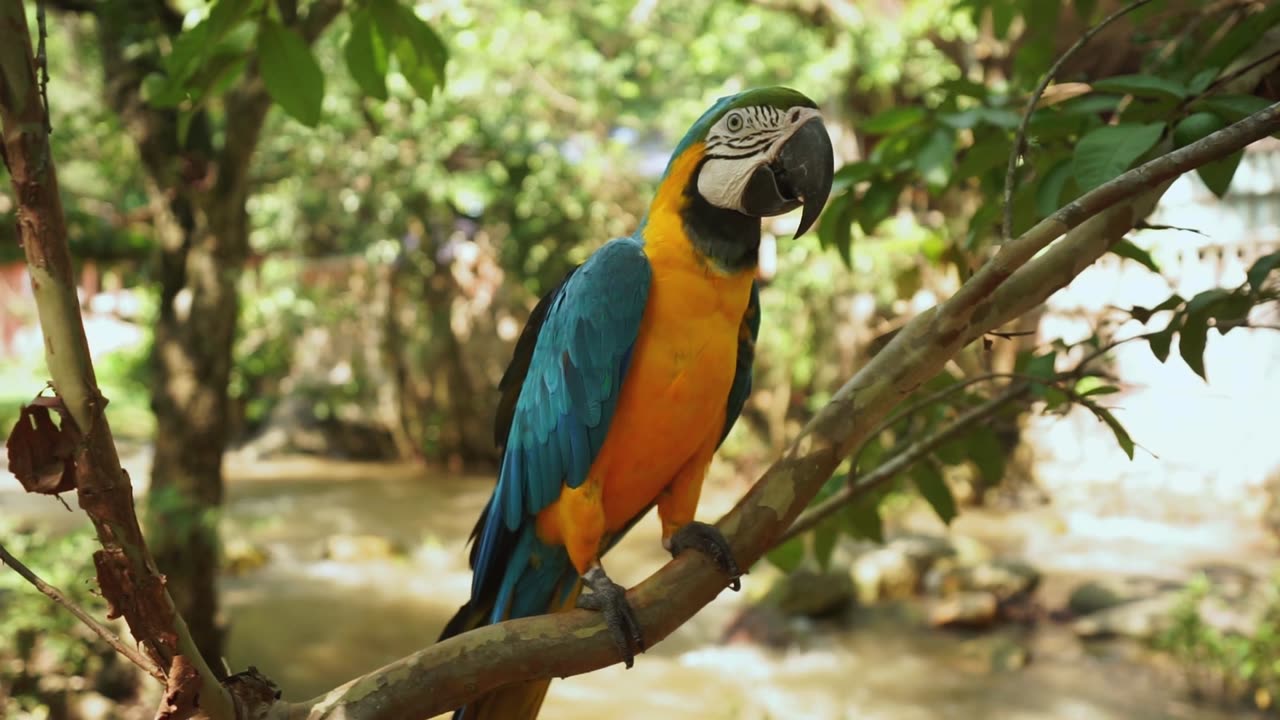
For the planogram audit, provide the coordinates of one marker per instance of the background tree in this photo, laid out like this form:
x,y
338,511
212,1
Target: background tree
x,y
193,97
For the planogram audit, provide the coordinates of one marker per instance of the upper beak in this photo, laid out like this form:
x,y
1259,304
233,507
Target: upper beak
x,y
800,173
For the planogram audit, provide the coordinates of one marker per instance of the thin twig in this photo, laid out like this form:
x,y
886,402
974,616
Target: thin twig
x,y
98,628
1020,139
922,403
858,485
900,462
42,62
1213,87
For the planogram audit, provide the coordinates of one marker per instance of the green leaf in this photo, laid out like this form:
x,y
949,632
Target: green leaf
x,y
1141,86
1002,14
1054,399
1196,126
952,453
1122,435
937,158
1240,38
877,203
892,120
1201,81
1161,340
1261,269
366,56
1230,312
787,556
934,489
824,542
187,50
987,454
1041,366
1202,301
1143,314
224,15
1091,386
1129,251
1191,341
290,72
184,125
836,227
1217,175
1233,108
852,174
1091,105
863,519
962,120
988,151
1049,194
419,51
1108,151
1000,117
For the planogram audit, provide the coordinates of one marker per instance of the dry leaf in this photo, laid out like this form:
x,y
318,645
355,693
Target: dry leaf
x,y
1062,92
42,453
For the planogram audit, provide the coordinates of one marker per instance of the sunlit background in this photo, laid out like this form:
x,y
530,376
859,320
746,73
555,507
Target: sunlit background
x,y
396,248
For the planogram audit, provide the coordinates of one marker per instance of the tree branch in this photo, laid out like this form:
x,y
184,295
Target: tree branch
x,y
1020,138
903,460
126,573
98,628
451,673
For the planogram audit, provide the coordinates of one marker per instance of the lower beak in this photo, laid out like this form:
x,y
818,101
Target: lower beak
x,y
799,175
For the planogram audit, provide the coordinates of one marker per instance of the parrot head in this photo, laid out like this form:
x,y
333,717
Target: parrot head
x,y
763,152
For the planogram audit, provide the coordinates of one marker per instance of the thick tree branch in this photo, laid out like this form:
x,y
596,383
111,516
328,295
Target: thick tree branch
x,y
89,621
450,673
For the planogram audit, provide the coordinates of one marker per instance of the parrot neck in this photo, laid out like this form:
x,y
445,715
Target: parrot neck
x,y
726,238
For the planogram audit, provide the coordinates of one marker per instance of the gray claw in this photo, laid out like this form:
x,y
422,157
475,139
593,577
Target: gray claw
x,y
610,598
708,540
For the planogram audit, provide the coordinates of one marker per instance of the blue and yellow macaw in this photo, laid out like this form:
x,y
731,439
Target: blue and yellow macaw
x,y
631,372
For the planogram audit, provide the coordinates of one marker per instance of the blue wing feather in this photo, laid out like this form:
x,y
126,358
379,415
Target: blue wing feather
x,y
561,416
741,387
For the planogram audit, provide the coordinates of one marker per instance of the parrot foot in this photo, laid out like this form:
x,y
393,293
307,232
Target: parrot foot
x,y
610,598
708,540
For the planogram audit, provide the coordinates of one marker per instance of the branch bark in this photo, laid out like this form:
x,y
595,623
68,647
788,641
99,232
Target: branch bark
x,y
127,574
450,673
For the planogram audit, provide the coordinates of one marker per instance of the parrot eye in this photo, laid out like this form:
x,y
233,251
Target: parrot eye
x,y
733,123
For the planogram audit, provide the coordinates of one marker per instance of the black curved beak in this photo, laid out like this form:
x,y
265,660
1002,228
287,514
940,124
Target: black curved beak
x,y
800,174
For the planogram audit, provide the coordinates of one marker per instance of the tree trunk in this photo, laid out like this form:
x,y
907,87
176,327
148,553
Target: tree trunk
x,y
195,331
198,195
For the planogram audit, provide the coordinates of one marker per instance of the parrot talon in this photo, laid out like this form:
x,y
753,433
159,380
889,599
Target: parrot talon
x,y
610,598
708,540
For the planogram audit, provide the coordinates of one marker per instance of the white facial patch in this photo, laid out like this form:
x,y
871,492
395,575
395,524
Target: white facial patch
x,y
741,141
723,180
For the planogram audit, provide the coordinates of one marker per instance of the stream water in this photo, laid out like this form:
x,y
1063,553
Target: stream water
x,y
311,623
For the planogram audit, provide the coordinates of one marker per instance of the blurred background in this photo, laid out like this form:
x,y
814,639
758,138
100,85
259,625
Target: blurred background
x,y
1065,555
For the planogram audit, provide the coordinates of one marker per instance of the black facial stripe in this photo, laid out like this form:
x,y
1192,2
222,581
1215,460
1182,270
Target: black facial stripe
x,y
730,156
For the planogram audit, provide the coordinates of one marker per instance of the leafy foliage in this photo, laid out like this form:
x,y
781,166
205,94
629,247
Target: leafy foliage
x,y
1221,309
53,654
955,139
1231,664
212,54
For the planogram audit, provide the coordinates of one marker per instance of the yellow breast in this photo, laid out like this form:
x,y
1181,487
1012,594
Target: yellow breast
x,y
673,400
